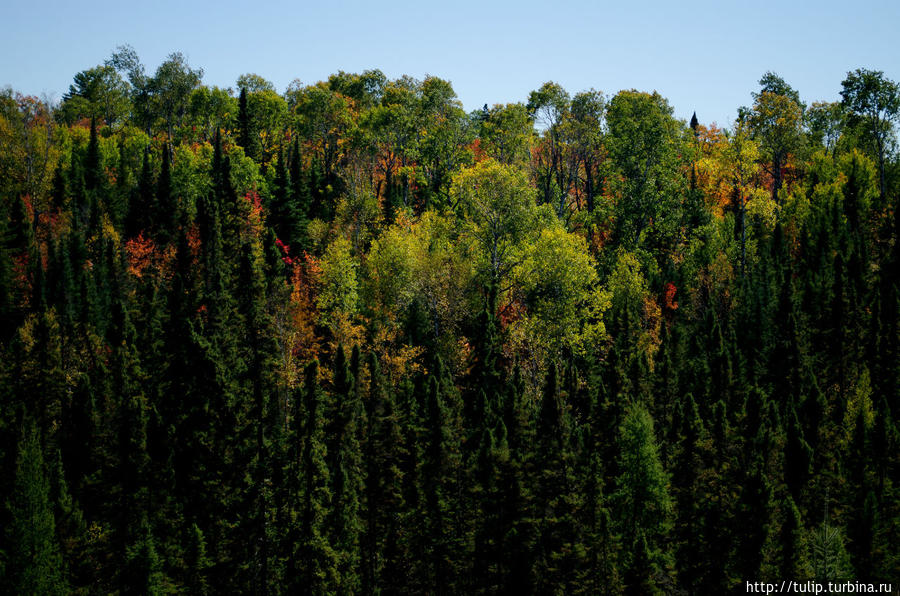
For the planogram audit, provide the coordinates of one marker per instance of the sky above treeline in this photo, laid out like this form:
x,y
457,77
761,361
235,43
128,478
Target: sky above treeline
x,y
701,55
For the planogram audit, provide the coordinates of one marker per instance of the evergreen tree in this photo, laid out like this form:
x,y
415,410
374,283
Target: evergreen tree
x,y
793,561
166,217
316,561
645,505
142,205
198,563
346,473
35,564
248,136
300,198
143,570
94,175
556,502
384,562
286,213
440,468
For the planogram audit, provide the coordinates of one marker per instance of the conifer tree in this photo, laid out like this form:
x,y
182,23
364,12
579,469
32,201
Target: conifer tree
x,y
142,205
346,473
143,570
35,565
797,455
439,471
197,562
93,166
286,210
71,530
556,501
793,562
643,500
263,418
7,287
384,563
300,198
316,562
248,137
166,215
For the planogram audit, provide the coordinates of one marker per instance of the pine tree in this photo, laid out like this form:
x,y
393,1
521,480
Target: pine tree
x,y
263,419
600,572
556,500
793,546
384,562
346,473
198,564
142,205
440,469
689,467
7,285
35,564
71,530
753,516
143,571
642,497
315,180
93,165
316,561
285,210
300,198
166,217
248,137
797,455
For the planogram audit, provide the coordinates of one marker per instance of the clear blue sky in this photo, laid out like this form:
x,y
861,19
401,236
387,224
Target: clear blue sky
x,y
702,55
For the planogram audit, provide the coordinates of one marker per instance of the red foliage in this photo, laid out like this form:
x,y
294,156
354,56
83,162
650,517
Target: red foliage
x,y
477,150
286,250
669,297
256,206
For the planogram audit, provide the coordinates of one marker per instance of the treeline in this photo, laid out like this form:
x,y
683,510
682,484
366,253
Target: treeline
x,y
352,339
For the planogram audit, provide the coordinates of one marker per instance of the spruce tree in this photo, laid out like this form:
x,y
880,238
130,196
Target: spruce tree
x,y
316,561
793,562
198,564
166,215
286,216
346,474
643,498
384,560
300,199
35,565
248,137
143,570
556,499
93,165
142,205
440,468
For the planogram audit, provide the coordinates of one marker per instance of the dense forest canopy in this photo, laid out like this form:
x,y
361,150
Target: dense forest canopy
x,y
352,339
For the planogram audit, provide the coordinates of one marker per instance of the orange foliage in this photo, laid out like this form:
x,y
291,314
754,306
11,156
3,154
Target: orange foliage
x,y
477,150
140,253
303,314
254,213
510,313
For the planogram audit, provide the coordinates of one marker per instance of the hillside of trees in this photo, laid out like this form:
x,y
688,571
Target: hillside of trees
x,y
351,339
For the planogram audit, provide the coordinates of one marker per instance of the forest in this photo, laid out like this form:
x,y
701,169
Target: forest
x,y
352,339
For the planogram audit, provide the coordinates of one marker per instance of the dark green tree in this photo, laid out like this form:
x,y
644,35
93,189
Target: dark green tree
x,y
35,565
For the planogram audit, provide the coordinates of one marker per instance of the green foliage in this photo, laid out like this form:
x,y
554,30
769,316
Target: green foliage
x,y
603,352
35,564
642,145
643,498
339,296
